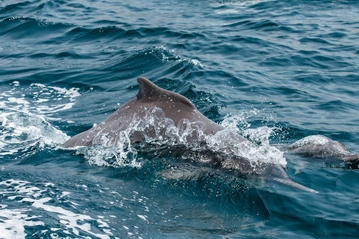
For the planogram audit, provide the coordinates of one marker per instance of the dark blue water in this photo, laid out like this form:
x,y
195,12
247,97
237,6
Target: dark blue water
x,y
280,70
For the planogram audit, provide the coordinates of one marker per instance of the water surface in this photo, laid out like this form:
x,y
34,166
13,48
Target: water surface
x,y
280,70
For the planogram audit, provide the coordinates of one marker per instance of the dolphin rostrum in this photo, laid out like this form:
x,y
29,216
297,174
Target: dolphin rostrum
x,y
177,108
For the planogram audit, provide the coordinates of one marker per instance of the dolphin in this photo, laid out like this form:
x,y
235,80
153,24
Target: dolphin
x,y
177,108
319,146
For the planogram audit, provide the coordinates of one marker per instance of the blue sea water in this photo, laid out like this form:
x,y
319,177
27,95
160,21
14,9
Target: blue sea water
x,y
278,70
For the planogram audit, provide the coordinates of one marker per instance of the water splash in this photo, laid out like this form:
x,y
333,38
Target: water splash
x,y
25,113
154,130
157,134
22,132
261,151
38,99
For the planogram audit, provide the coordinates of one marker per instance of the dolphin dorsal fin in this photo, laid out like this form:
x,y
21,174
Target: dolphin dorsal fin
x,y
151,92
146,88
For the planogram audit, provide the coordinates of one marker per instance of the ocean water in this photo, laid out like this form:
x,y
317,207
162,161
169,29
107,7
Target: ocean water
x,y
277,71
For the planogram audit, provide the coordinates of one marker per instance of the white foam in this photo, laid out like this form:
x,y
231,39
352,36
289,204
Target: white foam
x,y
196,63
24,115
30,197
13,223
169,55
38,99
143,217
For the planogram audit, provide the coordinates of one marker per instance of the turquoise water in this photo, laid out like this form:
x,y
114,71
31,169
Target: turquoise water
x,y
278,70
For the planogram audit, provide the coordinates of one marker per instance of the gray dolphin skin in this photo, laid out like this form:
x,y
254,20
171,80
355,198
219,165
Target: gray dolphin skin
x,y
176,107
319,146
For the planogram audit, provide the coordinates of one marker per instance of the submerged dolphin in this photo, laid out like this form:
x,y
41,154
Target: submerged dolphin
x,y
176,107
319,146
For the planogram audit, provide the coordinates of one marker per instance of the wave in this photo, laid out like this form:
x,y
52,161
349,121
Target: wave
x,y
27,207
25,113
